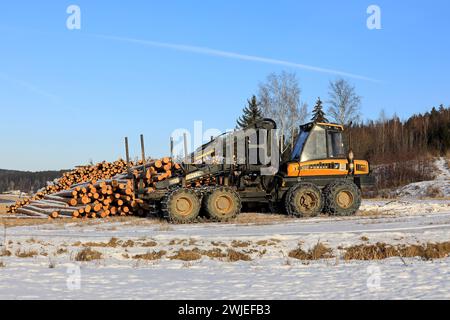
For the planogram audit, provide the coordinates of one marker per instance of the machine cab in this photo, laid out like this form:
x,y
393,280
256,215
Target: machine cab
x,y
318,141
320,151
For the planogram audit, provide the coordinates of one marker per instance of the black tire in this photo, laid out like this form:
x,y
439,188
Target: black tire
x,y
304,200
181,206
342,198
222,204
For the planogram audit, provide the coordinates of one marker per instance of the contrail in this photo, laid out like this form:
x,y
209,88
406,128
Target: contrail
x,y
30,87
234,55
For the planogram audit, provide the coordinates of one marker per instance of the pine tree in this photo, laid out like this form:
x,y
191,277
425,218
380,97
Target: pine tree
x,y
318,114
252,114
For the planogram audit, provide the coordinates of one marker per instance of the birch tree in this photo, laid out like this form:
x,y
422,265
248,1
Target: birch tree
x,y
344,103
280,100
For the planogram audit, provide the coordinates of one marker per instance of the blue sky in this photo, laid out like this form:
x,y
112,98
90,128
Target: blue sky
x,y
70,96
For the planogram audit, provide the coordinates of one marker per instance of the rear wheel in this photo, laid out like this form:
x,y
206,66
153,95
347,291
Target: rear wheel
x,y
181,206
304,200
342,198
222,204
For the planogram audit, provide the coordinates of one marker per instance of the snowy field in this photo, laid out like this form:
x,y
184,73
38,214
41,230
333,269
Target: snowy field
x,y
43,262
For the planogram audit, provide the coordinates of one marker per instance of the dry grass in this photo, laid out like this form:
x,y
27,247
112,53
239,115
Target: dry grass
x,y
113,243
319,251
19,222
5,253
186,255
155,255
3,209
26,254
233,256
150,243
240,244
434,192
215,253
128,244
61,251
380,251
88,254
267,243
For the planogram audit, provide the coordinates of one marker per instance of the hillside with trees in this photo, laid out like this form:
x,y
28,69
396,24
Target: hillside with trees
x,y
26,181
389,140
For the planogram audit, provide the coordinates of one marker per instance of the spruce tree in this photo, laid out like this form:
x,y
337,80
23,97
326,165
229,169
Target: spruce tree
x,y
252,114
318,114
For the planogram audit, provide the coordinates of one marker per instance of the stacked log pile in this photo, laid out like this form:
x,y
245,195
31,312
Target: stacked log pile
x,y
97,191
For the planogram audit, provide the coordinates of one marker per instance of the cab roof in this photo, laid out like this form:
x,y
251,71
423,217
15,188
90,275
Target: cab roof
x,y
310,125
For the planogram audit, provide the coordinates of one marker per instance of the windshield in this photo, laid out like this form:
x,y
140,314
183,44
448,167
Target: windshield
x,y
316,146
299,145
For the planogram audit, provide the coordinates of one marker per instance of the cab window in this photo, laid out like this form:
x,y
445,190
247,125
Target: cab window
x,y
335,145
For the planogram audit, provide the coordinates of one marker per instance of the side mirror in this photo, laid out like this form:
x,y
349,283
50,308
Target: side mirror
x,y
351,155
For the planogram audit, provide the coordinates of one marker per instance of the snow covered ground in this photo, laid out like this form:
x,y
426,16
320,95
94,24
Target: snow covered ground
x,y
440,187
54,273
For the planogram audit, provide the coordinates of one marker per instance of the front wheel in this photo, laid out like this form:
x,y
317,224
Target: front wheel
x,y
342,198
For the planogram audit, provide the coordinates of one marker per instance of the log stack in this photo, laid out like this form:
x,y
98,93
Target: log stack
x,y
97,191
101,190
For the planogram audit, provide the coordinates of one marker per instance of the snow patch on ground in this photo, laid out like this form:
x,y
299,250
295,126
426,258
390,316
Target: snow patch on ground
x,y
271,274
439,187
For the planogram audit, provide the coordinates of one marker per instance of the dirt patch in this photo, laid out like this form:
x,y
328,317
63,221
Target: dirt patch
x,y
2,265
155,255
26,254
186,255
380,251
319,251
88,254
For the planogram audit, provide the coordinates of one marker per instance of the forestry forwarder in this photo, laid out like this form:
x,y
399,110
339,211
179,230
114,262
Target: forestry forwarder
x,y
318,177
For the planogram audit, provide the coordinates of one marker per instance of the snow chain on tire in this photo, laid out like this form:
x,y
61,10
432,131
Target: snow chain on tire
x,y
342,198
304,200
181,206
222,204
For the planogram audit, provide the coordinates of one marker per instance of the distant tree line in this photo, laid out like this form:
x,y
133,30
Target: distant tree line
x,y
26,181
388,140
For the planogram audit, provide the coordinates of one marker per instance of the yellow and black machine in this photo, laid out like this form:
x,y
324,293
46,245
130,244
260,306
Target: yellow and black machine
x,y
318,176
